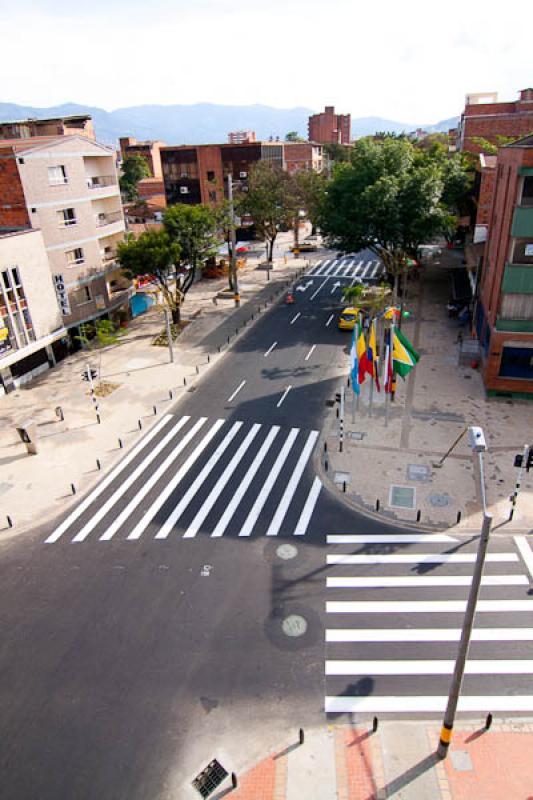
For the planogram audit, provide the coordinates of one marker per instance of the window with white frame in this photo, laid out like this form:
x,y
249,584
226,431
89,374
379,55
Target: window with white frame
x,y
57,175
66,217
75,257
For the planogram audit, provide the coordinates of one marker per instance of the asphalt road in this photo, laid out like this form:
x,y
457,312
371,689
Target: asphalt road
x,y
179,613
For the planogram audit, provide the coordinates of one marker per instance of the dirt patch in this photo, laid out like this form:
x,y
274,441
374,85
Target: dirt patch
x,y
161,339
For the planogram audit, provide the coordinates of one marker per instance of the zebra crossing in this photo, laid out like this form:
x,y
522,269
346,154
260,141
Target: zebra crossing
x,y
215,477
350,268
392,649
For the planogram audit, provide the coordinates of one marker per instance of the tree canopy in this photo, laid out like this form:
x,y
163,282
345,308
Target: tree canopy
x,y
134,169
294,136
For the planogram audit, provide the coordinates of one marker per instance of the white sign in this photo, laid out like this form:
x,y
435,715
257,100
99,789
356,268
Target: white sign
x,y
62,295
529,250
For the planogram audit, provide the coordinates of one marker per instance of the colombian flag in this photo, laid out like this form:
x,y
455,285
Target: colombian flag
x,y
362,357
372,369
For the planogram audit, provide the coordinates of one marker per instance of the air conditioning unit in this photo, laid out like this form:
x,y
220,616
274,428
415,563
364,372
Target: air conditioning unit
x,y
184,190
243,174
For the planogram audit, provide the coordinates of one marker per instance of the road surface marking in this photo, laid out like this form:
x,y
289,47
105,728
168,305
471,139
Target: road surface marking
x,y
525,552
423,606
262,497
329,321
199,481
376,269
272,346
309,507
310,353
129,481
423,580
419,558
171,485
293,320
427,635
427,704
388,538
331,267
512,666
150,483
283,396
217,489
236,392
245,483
315,267
295,478
319,288
78,511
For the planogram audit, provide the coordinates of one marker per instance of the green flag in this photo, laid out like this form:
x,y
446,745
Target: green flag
x,y
404,356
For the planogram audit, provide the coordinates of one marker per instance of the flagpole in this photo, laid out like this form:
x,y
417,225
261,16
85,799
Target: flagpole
x,y
371,393
391,344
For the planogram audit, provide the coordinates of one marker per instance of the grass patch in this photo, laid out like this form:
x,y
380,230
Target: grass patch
x,y
161,339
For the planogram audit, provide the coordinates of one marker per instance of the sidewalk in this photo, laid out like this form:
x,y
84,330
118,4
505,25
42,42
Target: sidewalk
x,y
431,408
38,487
345,762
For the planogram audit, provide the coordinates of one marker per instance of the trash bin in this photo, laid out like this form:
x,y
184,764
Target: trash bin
x,y
27,431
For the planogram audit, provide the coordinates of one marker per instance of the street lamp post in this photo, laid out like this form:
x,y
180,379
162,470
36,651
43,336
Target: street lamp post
x,y
476,440
233,239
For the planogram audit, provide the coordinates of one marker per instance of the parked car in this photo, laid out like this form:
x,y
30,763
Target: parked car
x,y
348,318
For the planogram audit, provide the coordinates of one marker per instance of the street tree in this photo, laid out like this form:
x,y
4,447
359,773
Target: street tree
x,y
134,169
293,136
310,187
196,231
156,255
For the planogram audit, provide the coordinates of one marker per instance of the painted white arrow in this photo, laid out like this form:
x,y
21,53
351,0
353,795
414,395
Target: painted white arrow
x,y
304,288
335,286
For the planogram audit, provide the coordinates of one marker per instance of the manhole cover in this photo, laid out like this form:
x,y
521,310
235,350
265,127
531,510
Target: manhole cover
x,y
287,551
402,497
418,472
357,435
439,500
294,625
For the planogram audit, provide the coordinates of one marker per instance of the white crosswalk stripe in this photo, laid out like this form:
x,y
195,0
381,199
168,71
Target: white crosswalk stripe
x,y
180,485
351,268
375,599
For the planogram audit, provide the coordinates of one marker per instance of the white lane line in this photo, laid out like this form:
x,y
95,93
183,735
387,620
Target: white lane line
x,y
525,552
245,483
292,485
146,487
496,666
420,558
319,288
171,485
334,289
423,580
388,538
236,392
310,353
78,511
272,346
283,396
375,270
331,267
130,480
423,606
358,268
217,489
427,635
367,269
329,321
337,272
314,267
309,507
293,320
262,497
197,484
427,703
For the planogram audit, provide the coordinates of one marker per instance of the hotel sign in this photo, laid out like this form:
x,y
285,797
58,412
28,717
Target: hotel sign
x,y
62,295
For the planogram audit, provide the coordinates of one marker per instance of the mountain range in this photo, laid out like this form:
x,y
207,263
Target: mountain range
x,y
204,122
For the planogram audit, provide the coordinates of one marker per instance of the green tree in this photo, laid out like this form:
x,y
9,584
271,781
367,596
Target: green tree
x,y
195,229
97,335
337,152
387,199
154,253
490,148
293,136
310,187
134,169
271,201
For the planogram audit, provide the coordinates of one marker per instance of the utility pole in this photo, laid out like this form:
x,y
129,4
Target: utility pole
x,y
233,239
476,440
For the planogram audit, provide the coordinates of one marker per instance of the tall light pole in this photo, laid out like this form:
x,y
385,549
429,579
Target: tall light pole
x,y
233,239
476,440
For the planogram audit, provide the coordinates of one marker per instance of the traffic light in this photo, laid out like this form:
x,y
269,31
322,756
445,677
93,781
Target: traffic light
x,y
338,397
85,376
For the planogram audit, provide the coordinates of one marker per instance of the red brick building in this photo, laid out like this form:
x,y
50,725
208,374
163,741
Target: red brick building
x,y
149,150
483,194
504,313
485,117
81,125
302,156
329,128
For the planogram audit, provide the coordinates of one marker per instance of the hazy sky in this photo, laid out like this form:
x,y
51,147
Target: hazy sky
x,y
410,61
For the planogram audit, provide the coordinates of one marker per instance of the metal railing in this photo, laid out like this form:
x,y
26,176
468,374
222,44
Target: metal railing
x,y
108,219
98,181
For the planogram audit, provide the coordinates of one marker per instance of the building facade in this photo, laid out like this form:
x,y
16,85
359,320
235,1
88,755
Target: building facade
x,y
80,124
67,187
241,137
329,127
486,118
504,312
32,333
129,146
483,193
302,156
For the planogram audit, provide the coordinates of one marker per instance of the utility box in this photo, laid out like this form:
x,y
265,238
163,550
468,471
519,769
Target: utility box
x,y
27,431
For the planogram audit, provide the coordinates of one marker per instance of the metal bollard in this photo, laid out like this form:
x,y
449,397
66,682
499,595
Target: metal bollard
x,y
208,358
219,348
301,735
236,331
98,464
488,722
155,411
459,514
337,410
344,487
340,446
170,395
374,724
98,419
418,515
73,488
185,381
233,780
120,444
140,424
377,504
325,447
326,465
59,413
9,521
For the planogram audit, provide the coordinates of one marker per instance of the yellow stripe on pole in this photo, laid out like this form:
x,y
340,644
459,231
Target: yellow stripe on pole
x,y
446,735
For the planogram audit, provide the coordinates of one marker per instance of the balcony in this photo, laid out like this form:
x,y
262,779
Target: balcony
x,y
99,181
108,256
108,218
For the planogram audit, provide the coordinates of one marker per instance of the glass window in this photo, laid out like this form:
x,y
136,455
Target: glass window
x,y
57,175
66,217
75,257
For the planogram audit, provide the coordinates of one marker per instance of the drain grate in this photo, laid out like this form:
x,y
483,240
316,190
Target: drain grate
x,y
402,497
209,778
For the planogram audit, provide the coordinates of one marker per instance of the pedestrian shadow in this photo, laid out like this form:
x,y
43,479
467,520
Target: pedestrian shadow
x,y
410,775
363,688
422,567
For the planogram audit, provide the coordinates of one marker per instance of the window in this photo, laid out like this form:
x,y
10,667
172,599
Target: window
x,y
212,197
184,190
74,257
527,191
57,175
81,296
210,175
66,217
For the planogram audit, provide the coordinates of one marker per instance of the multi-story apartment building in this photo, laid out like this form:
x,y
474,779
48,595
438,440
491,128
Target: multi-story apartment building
x,y
329,128
67,188
81,124
241,137
32,334
504,313
302,156
149,150
485,117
